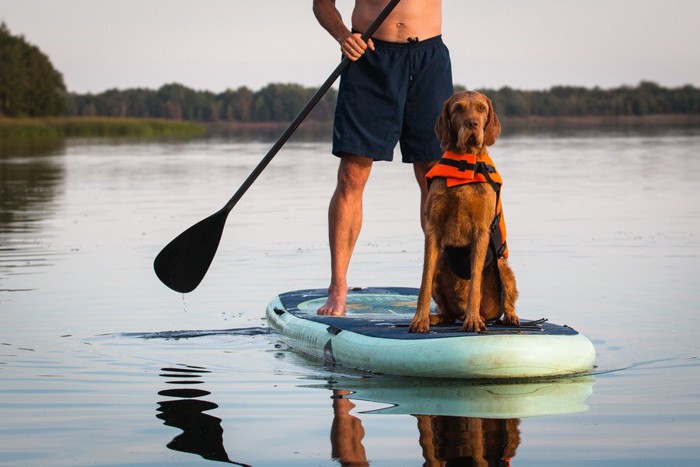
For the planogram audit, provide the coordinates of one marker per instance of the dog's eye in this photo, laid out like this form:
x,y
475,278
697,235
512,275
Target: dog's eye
x,y
482,108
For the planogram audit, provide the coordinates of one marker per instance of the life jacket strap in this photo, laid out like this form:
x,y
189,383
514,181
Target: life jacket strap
x,y
463,166
497,240
495,185
494,223
478,168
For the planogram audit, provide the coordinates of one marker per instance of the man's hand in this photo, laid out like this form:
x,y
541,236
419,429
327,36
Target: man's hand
x,y
354,47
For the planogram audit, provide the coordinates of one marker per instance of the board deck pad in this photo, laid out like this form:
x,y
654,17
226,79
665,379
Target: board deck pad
x,y
386,312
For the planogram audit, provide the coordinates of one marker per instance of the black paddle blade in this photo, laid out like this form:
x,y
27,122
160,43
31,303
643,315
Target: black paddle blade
x,y
182,264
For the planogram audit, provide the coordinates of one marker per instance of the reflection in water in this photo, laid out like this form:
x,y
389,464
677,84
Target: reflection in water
x,y
466,398
29,179
346,433
468,441
444,440
460,423
202,433
13,147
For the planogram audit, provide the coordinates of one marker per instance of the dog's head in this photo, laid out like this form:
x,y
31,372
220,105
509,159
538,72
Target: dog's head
x,y
467,123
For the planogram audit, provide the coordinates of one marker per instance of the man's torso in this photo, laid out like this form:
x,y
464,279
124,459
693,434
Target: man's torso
x,y
410,18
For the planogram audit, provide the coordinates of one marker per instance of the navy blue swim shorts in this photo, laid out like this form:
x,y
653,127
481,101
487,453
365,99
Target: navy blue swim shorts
x,y
393,94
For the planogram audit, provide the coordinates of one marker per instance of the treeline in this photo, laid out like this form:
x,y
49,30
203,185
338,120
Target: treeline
x,y
281,102
647,98
29,84
273,103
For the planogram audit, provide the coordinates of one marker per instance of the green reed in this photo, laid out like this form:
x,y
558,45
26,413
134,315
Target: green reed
x,y
94,127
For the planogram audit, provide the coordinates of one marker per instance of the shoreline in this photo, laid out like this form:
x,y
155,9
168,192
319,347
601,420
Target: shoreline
x,y
589,121
664,120
22,128
87,127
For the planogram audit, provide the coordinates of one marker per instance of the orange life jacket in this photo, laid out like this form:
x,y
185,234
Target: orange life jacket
x,y
459,169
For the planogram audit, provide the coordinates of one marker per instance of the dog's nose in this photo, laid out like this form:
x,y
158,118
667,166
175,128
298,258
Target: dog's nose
x,y
471,124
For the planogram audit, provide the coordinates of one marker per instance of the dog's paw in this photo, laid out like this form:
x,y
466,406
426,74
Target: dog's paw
x,y
511,319
419,324
476,324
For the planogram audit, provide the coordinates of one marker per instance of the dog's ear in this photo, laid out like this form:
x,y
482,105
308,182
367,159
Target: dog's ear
x,y
493,126
443,128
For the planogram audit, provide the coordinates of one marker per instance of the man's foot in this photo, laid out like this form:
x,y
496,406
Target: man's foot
x,y
335,305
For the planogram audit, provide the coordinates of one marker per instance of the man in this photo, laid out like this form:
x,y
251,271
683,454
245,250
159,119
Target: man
x,y
392,92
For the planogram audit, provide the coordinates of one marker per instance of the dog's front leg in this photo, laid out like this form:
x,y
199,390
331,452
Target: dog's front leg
x,y
473,322
421,320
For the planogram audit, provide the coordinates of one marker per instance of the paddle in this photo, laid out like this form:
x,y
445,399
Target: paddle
x,y
182,264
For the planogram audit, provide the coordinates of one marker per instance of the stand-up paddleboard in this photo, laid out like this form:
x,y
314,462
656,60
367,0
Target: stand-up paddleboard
x,y
373,336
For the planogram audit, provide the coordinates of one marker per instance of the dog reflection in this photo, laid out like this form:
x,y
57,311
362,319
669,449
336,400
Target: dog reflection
x,y
468,441
445,441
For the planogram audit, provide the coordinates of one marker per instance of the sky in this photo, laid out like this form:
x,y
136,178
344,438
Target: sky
x,y
216,45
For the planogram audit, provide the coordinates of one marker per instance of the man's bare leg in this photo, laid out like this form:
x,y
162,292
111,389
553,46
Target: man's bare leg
x,y
420,169
344,224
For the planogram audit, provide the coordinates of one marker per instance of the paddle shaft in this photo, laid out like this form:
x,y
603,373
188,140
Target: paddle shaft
x,y
305,111
183,263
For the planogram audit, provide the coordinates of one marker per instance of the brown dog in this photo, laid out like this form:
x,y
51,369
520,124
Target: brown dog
x,y
459,220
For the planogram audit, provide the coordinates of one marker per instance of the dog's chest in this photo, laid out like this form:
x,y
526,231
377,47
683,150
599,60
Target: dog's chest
x,y
457,212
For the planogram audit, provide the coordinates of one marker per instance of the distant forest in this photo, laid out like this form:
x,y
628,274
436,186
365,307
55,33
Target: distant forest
x,y
273,103
281,102
31,87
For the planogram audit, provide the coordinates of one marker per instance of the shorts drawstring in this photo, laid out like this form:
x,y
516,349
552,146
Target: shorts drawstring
x,y
411,40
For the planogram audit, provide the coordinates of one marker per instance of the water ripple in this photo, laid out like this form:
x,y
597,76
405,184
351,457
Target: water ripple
x,y
189,334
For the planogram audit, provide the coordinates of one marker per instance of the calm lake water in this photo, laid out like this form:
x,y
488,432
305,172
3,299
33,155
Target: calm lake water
x,y
100,364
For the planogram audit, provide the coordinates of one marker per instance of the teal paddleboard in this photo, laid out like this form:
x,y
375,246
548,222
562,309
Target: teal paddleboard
x,y
373,337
